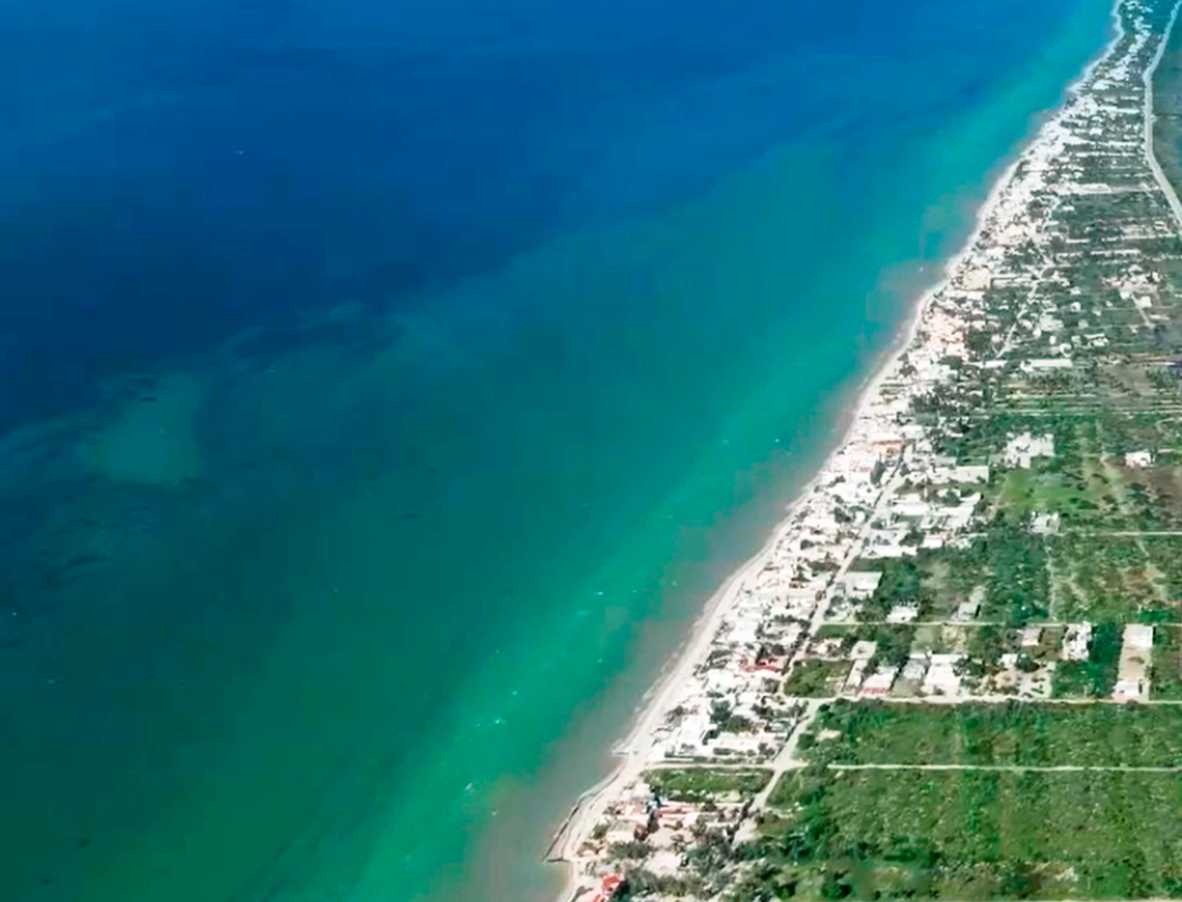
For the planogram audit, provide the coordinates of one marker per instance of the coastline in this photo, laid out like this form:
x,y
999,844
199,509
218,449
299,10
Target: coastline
x,y
577,825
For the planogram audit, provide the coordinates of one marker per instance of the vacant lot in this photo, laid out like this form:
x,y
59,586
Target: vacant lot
x,y
700,784
817,678
1108,577
975,835
1166,672
1005,568
1015,733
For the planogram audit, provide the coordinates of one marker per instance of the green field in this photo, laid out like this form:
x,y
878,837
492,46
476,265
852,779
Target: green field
x,y
974,835
1016,733
1100,578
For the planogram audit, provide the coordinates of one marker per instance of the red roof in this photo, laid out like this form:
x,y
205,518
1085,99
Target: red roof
x,y
608,887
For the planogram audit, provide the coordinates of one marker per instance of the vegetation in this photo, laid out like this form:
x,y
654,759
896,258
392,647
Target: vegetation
x,y
894,640
816,679
1019,586
1165,553
726,721
974,835
1096,676
1014,733
635,849
640,883
1102,578
701,784
1166,671
901,584
1008,561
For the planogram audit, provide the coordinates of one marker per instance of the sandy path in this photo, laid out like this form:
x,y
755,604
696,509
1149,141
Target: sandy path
x,y
786,760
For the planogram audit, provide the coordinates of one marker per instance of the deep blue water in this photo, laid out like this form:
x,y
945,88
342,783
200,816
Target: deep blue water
x,y
181,171
386,386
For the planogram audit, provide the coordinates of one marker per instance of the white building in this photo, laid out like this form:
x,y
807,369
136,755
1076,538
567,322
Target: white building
x,y
1138,459
861,583
942,678
879,683
1021,450
1076,641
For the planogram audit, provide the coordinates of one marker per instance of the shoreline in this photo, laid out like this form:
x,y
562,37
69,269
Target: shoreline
x,y
581,818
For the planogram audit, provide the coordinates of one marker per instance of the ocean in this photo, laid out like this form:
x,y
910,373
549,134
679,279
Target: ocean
x,y
387,387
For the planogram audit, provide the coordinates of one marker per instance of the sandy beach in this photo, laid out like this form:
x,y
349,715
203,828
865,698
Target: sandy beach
x,y
633,750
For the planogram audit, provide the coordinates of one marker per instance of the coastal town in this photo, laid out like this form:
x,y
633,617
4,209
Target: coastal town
x,y
956,670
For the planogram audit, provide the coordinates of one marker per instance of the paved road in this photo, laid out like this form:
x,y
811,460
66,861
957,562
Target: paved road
x,y
1150,157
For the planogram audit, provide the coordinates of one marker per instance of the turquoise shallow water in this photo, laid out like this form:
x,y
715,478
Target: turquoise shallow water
x,y
351,604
